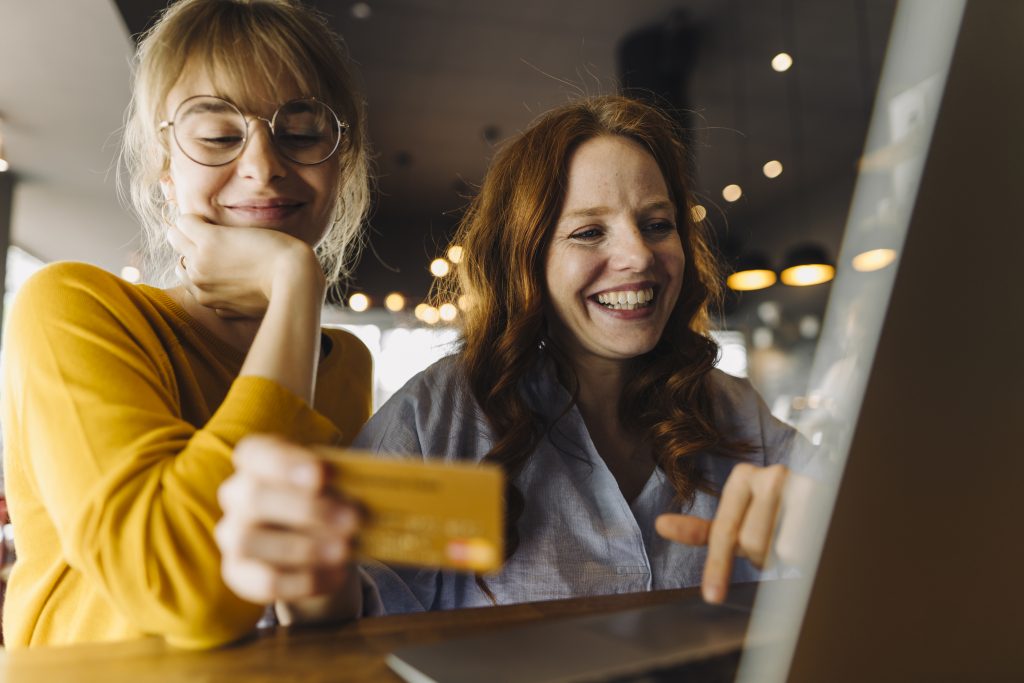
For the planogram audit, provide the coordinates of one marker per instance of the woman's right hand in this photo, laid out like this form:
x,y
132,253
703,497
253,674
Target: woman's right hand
x,y
235,270
284,537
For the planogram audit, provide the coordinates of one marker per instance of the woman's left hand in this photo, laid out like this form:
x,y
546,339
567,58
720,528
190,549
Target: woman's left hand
x,y
743,524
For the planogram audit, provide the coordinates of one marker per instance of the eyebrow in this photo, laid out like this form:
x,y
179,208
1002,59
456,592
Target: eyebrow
x,y
592,211
203,107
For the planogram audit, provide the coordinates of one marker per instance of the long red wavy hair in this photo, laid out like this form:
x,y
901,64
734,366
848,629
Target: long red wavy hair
x,y
505,235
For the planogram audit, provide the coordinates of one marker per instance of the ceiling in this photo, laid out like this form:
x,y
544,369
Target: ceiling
x,y
447,79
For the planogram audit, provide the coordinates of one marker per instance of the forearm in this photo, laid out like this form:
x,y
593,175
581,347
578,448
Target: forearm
x,y
287,345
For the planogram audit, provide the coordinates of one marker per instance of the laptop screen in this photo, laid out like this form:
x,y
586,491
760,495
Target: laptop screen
x,y
921,46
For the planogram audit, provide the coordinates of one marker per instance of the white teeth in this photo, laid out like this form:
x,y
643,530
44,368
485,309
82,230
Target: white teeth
x,y
627,299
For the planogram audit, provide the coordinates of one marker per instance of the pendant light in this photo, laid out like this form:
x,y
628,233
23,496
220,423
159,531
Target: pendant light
x,y
807,265
752,272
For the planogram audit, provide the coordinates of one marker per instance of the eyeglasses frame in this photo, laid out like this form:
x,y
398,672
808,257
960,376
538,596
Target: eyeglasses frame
x,y
342,127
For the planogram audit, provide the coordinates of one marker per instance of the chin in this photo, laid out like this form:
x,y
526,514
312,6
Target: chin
x,y
631,352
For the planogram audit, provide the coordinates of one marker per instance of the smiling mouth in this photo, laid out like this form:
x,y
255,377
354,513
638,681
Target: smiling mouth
x,y
283,206
626,300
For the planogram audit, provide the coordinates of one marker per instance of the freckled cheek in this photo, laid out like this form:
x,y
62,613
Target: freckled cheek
x,y
672,264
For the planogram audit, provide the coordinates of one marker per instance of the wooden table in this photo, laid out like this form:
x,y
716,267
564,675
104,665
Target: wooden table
x,y
352,652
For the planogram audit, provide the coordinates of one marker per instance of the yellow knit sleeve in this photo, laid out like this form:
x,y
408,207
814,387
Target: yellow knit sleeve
x,y
129,484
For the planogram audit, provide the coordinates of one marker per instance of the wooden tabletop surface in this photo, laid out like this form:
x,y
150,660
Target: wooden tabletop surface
x,y
351,652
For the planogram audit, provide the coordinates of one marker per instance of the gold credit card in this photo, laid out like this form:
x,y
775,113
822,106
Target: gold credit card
x,y
424,513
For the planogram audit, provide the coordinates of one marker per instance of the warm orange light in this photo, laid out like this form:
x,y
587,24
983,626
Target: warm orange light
x,y
394,302
439,267
732,192
772,169
699,213
431,315
749,280
808,274
875,259
455,253
359,302
448,312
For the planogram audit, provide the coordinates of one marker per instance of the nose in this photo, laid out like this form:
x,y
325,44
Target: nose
x,y
260,159
630,251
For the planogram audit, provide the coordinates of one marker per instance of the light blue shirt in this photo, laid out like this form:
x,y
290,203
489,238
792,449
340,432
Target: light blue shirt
x,y
578,534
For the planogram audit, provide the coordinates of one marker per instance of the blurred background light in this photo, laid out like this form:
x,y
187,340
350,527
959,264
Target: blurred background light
x,y
359,302
361,10
732,192
782,62
431,315
874,259
448,312
763,338
772,169
439,267
752,272
394,302
807,265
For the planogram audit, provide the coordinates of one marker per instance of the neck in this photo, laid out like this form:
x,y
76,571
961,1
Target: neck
x,y
600,386
237,332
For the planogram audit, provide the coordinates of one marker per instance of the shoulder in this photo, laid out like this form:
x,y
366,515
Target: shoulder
x,y
83,316
439,388
444,376
742,414
733,397
66,277
70,290
434,413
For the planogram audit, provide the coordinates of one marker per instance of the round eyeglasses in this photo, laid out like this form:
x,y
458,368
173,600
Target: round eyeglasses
x,y
212,131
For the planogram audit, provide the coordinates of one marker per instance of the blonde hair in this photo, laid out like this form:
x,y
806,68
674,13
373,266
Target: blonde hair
x,y
249,46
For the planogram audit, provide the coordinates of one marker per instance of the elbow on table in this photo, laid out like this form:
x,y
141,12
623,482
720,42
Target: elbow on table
x,y
197,612
168,585
204,632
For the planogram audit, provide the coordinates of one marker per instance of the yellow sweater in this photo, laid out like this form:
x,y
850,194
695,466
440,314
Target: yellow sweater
x,y
119,417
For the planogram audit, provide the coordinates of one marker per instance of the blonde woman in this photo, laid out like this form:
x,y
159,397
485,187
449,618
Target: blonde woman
x,y
246,159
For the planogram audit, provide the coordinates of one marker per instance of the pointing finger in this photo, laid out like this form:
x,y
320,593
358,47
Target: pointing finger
x,y
724,534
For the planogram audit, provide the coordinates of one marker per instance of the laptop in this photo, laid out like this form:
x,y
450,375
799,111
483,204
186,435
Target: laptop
x,y
913,539
601,647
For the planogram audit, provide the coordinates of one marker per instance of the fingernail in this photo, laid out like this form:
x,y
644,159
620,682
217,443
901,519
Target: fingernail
x,y
712,592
